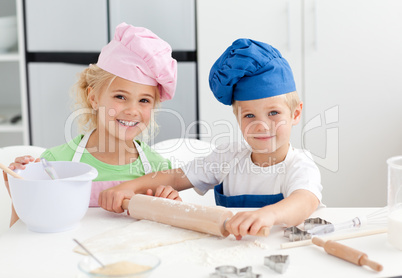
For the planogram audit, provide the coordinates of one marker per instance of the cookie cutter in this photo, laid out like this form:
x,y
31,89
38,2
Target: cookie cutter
x,y
296,234
278,263
229,271
311,223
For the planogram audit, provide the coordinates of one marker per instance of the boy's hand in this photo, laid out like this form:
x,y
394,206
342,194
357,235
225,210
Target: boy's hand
x,y
249,222
20,162
165,192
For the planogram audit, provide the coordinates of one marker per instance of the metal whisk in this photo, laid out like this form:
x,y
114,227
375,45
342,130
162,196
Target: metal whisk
x,y
378,217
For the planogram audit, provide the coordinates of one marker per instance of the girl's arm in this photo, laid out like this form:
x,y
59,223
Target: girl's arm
x,y
291,211
19,163
14,217
112,198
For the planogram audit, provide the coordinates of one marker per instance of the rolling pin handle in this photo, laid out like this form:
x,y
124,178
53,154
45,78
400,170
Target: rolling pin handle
x,y
125,203
264,231
373,265
318,241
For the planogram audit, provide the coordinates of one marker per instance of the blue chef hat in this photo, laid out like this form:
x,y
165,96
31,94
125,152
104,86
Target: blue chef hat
x,y
250,70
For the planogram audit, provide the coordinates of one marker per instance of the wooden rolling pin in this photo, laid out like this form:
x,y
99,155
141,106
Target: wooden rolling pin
x,y
346,253
189,216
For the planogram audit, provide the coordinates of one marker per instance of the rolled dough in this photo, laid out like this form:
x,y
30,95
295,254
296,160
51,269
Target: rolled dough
x,y
140,235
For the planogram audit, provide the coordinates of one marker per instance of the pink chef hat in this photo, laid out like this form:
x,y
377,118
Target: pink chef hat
x,y
138,55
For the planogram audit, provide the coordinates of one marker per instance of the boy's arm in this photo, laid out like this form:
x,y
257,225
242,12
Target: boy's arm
x,y
294,209
291,211
112,198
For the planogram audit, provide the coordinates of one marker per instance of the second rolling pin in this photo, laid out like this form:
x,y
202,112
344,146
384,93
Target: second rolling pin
x,y
346,253
194,217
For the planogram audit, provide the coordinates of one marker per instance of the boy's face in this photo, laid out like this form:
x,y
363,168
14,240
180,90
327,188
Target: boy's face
x,y
266,123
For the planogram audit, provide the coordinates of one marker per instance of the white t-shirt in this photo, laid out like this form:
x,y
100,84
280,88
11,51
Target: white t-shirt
x,y
232,164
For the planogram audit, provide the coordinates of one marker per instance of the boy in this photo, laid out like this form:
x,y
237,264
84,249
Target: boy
x,y
266,172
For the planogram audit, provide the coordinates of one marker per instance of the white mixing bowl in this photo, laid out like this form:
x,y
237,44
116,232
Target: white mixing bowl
x,y
8,32
46,205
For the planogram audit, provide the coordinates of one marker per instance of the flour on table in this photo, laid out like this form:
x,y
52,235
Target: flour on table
x,y
139,235
215,251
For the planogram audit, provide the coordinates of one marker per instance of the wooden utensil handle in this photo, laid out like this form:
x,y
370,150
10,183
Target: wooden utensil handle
x,y
11,172
264,231
125,204
318,241
373,265
346,253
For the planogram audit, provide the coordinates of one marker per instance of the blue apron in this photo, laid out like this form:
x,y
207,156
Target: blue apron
x,y
244,201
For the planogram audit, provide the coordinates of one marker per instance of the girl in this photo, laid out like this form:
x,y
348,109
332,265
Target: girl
x,y
134,73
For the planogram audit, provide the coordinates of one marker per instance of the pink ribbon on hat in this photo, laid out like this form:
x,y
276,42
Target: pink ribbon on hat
x,y
138,55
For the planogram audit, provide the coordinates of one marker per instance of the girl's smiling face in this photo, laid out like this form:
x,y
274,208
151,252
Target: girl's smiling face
x,y
124,108
266,123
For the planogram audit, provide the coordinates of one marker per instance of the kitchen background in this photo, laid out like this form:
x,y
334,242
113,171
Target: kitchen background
x,y
346,56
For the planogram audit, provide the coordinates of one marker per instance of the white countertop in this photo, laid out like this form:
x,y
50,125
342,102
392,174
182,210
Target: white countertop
x,y
27,254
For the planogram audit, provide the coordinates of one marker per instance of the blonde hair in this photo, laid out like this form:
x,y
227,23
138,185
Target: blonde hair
x,y
292,100
98,79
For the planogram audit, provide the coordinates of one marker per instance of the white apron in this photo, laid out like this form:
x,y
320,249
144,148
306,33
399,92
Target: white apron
x,y
98,186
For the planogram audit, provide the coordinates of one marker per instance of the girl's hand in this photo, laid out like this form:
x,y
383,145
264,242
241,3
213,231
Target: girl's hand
x,y
165,192
112,199
250,222
20,162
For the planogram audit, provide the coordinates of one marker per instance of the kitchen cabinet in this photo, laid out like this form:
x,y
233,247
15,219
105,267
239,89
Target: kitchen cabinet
x,y
14,126
62,39
173,20
66,26
346,58
51,103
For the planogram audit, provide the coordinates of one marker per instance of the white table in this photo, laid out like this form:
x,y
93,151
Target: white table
x,y
27,254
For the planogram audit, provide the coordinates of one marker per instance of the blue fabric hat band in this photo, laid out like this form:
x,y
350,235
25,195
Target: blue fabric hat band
x,y
250,70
